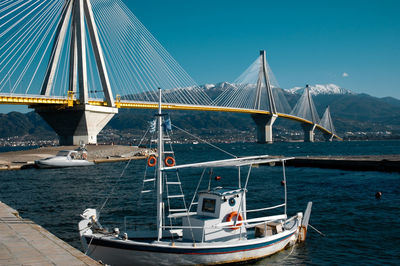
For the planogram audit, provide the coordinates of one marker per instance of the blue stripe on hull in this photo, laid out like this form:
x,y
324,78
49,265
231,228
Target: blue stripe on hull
x,y
179,250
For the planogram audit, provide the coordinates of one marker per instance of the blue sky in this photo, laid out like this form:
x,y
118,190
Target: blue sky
x,y
354,44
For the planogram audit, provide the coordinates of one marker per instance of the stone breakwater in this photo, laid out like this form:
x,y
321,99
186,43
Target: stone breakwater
x,y
382,163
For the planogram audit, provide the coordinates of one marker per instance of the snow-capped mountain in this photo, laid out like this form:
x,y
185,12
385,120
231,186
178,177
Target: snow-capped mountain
x,y
321,89
318,89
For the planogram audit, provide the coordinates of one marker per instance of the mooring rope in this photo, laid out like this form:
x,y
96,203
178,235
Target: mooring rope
x,y
316,230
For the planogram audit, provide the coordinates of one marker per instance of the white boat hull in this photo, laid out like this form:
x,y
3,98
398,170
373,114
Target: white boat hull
x,y
115,251
62,163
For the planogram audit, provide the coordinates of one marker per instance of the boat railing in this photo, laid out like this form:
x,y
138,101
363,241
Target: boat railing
x,y
264,222
229,224
268,208
291,219
255,220
135,225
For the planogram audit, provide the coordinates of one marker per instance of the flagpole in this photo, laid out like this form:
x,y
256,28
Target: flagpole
x,y
160,146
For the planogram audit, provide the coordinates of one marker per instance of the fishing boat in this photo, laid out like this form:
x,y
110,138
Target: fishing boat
x,y
65,158
220,229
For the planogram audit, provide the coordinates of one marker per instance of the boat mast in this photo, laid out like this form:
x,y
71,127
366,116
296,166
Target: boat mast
x,y
160,147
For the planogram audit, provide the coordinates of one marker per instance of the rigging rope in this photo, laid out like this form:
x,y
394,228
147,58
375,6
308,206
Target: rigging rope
x,y
113,188
206,142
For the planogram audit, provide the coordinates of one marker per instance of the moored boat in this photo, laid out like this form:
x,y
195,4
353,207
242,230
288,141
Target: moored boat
x,y
219,229
65,158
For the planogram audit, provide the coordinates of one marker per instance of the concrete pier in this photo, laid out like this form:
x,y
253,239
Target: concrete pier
x,y
383,163
78,124
264,127
309,132
328,137
22,242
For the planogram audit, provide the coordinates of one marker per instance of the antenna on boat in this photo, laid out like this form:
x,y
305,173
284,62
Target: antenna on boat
x,y
160,147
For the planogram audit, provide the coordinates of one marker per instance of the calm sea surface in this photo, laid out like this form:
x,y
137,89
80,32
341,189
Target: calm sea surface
x,y
359,229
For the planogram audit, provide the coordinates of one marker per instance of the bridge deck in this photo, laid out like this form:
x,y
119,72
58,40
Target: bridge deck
x,y
68,102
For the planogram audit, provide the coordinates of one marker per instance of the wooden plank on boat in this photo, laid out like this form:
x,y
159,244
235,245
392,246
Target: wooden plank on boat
x,y
175,196
173,183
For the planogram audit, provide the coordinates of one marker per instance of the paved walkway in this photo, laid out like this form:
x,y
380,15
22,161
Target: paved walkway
x,y
22,242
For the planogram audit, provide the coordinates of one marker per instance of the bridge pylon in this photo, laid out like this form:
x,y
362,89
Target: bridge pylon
x,y
264,122
82,122
309,129
326,122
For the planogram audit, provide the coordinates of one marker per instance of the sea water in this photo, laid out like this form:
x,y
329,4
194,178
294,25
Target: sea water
x,y
359,229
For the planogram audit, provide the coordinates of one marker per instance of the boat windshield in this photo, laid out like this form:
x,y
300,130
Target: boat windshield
x,y
63,153
208,205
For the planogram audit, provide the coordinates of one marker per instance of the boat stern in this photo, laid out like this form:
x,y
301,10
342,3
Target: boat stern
x,y
304,223
89,219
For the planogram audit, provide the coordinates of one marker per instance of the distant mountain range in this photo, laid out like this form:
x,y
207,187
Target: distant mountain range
x,y
350,112
319,89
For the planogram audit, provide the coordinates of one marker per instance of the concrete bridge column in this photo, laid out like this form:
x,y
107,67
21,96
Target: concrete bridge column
x,y
79,124
264,127
328,137
309,132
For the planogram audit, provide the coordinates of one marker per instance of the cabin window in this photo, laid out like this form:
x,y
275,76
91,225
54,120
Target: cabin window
x,y
63,153
208,205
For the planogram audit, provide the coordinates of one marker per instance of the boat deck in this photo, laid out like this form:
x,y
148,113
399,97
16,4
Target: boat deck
x,y
22,242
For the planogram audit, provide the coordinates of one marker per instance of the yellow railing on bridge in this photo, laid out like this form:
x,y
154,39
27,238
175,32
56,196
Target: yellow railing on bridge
x,y
70,102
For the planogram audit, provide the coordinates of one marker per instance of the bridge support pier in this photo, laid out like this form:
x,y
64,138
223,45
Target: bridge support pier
x,y
264,127
79,124
328,137
309,132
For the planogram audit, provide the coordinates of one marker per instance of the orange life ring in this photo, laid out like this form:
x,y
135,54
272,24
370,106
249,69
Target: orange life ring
x,y
151,161
169,161
230,217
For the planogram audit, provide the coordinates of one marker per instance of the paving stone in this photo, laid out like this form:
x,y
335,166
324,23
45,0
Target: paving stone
x,y
23,242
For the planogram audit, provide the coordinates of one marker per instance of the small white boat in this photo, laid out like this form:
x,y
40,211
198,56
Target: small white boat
x,y
65,158
219,230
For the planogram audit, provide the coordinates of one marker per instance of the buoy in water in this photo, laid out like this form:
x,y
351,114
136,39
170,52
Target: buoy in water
x,y
283,182
378,195
217,178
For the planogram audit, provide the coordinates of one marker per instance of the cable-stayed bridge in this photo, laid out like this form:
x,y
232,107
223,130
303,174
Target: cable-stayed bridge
x,y
77,61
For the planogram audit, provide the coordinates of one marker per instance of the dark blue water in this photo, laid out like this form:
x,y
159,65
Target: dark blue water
x,y
359,229
17,148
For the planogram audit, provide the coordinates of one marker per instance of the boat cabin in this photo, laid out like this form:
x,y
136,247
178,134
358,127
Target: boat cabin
x,y
216,206
66,153
72,154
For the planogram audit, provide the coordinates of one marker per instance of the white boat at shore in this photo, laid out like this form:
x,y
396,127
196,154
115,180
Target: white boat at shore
x,y
219,230
65,158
